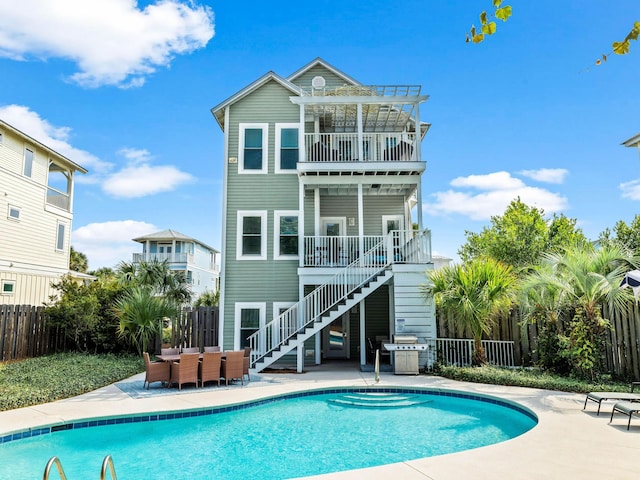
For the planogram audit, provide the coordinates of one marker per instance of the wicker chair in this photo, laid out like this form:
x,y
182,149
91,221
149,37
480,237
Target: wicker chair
x,y
212,349
191,350
186,371
233,366
246,363
155,371
210,367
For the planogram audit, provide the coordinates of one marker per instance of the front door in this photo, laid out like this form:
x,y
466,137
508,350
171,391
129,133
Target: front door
x,y
394,223
336,338
332,248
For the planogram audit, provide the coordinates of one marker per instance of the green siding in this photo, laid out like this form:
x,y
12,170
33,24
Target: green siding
x,y
331,79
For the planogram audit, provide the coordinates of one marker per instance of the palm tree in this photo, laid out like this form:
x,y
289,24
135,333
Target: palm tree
x,y
208,299
159,278
580,280
476,294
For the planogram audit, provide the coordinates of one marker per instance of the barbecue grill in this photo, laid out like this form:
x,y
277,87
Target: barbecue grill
x,y
405,350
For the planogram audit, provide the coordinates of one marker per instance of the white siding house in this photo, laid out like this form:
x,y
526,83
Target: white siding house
x,y
36,213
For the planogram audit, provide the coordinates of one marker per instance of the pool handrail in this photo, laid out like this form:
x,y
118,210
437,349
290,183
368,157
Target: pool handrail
x,y
54,461
108,462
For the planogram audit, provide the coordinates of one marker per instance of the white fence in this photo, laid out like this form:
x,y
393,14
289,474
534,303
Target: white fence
x,y
459,352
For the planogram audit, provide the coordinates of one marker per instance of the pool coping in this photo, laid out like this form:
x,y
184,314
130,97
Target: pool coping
x,y
568,442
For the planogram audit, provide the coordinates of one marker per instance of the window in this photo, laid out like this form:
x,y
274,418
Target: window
x,y
287,152
28,162
253,148
285,242
60,236
250,317
1,138
14,213
251,236
8,287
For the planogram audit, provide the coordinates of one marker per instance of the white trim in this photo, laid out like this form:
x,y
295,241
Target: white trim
x,y
14,209
223,250
263,234
265,147
239,306
277,214
386,218
279,127
8,282
342,221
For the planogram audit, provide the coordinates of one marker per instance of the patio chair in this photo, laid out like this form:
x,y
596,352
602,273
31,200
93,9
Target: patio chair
x,y
186,371
169,351
246,363
155,371
212,349
191,350
233,366
599,397
628,408
210,367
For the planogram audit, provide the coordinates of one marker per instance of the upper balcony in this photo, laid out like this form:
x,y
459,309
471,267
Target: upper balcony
x,y
171,258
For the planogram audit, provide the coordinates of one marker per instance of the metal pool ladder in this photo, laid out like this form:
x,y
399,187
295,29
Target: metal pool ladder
x,y
107,463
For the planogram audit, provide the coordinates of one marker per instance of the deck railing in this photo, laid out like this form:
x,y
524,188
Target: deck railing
x,y
162,257
345,147
58,199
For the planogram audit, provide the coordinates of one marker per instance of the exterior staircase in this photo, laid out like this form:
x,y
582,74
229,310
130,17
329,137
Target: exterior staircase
x,y
319,308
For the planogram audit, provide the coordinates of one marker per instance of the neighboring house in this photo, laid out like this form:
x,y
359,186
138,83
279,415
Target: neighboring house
x,y
36,213
199,262
633,142
322,186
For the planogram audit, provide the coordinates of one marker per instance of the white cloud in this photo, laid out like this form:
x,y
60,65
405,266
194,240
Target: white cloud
x,y
112,42
142,180
631,189
135,155
547,175
109,243
499,189
56,138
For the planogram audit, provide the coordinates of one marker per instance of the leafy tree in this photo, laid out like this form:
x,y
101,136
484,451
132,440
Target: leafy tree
x,y
103,272
78,261
520,235
476,294
208,299
579,280
623,234
141,315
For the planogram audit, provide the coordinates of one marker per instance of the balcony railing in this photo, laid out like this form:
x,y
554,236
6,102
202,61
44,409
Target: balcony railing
x,y
403,246
345,147
161,257
58,199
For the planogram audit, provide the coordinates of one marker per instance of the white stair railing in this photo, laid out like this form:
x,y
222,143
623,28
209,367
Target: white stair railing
x,y
319,302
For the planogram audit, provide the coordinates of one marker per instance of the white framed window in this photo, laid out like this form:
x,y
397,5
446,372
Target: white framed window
x,y
13,213
251,242
253,146
249,318
285,234
28,161
8,287
287,151
60,236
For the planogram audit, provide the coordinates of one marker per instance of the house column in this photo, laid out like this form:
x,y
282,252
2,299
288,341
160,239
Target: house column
x,y
301,242
316,211
302,148
360,222
173,250
360,136
363,335
418,142
419,205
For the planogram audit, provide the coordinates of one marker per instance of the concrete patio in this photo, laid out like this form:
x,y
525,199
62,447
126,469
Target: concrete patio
x,y
567,442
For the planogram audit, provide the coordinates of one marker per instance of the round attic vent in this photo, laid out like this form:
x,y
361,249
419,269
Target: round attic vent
x,y
317,82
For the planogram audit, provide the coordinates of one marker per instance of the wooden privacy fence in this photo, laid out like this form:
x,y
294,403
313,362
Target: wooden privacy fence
x,y
196,327
621,355
25,333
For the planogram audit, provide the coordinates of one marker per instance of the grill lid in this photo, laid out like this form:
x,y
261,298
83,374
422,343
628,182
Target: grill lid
x,y
405,339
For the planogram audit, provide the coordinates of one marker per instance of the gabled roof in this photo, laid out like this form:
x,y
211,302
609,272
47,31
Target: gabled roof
x,y
170,235
218,110
69,163
633,141
321,62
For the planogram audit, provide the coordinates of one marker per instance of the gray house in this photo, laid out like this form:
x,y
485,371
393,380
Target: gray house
x,y
323,239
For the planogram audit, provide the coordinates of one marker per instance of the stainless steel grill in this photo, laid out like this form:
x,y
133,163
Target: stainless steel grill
x,y
405,350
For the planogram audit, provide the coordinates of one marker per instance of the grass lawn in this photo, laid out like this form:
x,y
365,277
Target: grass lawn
x,y
53,377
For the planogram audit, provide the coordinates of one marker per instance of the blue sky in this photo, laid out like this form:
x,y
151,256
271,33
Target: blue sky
x,y
125,90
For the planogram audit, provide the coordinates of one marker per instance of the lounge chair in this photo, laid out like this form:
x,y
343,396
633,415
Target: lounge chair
x,y
246,363
212,349
599,397
628,408
186,371
233,366
191,350
210,367
155,371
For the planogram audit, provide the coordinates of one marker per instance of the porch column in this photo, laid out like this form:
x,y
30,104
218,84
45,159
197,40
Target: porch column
x,y
147,255
173,250
419,205
363,335
316,211
418,145
360,222
318,346
301,243
360,137
300,358
302,148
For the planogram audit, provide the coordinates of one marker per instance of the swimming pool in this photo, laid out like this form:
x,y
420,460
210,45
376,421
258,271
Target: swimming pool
x,y
294,435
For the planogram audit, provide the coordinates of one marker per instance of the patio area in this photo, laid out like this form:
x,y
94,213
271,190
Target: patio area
x,y
567,443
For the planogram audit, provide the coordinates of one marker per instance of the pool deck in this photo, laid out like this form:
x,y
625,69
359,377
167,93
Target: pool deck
x,y
567,443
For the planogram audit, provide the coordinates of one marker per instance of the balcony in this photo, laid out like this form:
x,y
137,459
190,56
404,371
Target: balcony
x,y
353,147
58,199
340,251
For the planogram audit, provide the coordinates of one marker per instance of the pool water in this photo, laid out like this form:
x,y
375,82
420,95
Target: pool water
x,y
293,437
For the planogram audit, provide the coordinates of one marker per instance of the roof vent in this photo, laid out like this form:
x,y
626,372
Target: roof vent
x,y
318,82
